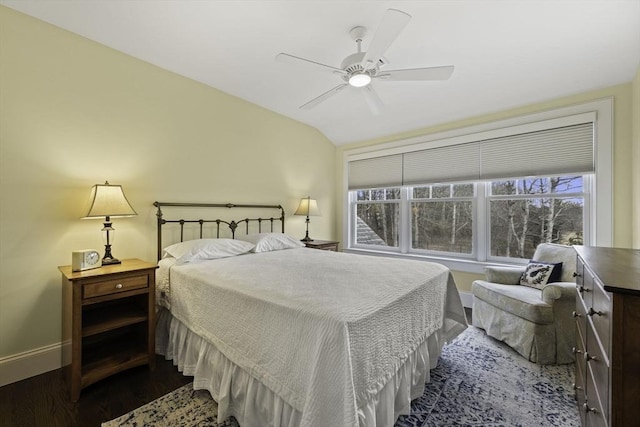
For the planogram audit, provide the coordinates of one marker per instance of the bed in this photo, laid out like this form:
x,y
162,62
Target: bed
x,y
285,335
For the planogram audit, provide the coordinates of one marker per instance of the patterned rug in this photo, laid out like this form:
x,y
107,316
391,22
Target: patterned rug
x,y
478,382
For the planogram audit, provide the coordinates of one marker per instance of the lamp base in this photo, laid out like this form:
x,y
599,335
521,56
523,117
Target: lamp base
x,y
306,239
108,259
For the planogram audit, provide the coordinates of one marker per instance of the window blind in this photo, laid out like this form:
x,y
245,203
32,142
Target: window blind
x,y
561,150
376,172
451,163
553,151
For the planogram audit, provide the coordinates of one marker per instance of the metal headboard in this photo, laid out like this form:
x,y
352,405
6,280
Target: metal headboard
x,y
232,225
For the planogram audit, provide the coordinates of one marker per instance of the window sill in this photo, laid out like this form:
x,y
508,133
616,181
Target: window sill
x,y
454,264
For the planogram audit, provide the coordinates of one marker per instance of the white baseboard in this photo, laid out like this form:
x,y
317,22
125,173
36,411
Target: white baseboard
x,y
34,362
467,299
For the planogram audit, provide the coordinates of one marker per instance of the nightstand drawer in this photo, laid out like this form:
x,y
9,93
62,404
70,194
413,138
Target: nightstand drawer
x,y
108,287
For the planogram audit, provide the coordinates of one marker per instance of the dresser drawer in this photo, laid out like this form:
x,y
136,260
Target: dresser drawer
x,y
580,385
579,351
581,398
580,314
107,287
600,314
584,283
591,410
598,371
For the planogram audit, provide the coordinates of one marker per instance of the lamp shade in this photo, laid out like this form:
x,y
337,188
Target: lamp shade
x,y
108,200
308,207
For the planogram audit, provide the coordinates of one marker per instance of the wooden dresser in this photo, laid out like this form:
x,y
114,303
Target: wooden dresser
x,y
608,336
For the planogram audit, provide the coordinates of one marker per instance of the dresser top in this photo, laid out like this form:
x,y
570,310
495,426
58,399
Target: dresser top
x,y
618,269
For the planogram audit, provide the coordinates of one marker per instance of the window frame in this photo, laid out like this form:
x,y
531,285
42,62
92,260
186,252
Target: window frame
x,y
584,194
481,208
354,203
598,215
472,199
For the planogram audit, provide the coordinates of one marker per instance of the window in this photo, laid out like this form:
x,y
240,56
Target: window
x,y
486,193
520,214
442,218
377,217
526,212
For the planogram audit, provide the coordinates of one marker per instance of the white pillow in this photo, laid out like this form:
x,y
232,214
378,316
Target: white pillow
x,y
266,242
193,250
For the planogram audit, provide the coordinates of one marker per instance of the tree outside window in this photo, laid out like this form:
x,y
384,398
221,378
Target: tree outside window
x,y
527,212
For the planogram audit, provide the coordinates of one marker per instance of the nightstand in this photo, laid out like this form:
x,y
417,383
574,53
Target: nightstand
x,y
109,317
326,245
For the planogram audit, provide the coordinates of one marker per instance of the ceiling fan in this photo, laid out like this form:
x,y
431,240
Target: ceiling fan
x,y
360,69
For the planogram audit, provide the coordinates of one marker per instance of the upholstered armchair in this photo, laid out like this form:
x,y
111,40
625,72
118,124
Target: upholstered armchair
x,y
535,319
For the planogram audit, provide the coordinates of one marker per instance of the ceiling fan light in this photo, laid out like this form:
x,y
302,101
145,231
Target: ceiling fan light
x,y
359,80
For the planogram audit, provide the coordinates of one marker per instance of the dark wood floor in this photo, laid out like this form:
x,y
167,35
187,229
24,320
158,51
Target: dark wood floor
x,y
43,400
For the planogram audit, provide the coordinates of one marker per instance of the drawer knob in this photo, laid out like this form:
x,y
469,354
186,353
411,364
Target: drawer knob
x,y
591,312
588,409
576,351
589,358
576,386
119,286
575,274
583,289
576,314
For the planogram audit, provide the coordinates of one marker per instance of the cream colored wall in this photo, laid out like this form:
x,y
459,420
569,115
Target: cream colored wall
x,y
74,113
635,159
624,211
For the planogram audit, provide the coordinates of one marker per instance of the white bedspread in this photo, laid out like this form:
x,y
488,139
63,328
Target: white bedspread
x,y
323,330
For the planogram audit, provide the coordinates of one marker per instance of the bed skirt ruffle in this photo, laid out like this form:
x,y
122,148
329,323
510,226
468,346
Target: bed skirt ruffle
x,y
240,395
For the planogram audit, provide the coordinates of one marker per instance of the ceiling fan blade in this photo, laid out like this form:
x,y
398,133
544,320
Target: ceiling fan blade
x,y
392,24
417,74
323,97
290,59
373,100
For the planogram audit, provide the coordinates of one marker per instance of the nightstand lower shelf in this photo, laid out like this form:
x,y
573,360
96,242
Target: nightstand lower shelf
x,y
115,353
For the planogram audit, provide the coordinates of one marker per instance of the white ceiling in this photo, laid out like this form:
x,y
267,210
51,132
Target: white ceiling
x,y
506,53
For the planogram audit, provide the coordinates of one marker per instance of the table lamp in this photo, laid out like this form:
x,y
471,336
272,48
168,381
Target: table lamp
x,y
108,201
308,207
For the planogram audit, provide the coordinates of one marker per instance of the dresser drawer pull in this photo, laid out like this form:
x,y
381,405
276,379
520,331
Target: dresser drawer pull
x,y
589,358
119,286
588,409
576,351
591,312
575,274
576,314
576,386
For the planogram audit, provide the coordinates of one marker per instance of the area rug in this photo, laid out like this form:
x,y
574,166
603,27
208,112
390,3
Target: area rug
x,y
478,382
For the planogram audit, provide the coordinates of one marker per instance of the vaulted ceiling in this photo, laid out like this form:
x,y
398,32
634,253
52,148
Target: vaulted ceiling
x,y
506,53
